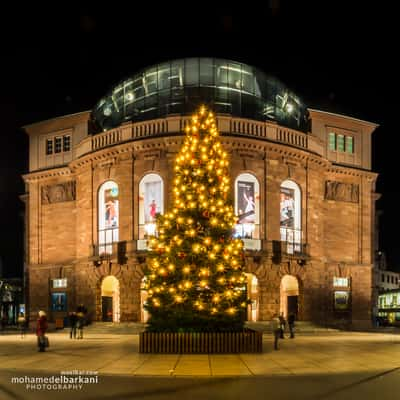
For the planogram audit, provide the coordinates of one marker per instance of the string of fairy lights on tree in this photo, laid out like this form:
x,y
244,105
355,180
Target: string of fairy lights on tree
x,y
195,266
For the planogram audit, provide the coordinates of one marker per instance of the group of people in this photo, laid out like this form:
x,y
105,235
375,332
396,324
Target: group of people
x,y
278,326
76,319
77,322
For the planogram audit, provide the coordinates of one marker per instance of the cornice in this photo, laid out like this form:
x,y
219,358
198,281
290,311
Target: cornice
x,y
352,171
46,174
232,142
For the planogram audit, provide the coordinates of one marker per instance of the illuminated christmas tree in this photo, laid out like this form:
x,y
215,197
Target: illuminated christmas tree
x,y
195,279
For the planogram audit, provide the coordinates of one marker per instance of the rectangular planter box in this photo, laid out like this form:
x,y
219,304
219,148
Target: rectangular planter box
x,y
248,341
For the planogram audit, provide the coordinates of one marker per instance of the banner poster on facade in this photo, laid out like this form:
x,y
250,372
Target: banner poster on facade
x,y
152,200
59,301
341,300
111,207
246,205
287,208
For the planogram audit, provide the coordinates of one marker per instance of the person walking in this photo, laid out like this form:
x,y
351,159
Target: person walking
x,y
41,328
282,323
291,319
81,311
22,324
73,319
276,330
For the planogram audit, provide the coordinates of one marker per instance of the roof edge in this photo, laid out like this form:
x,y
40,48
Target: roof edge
x,y
360,121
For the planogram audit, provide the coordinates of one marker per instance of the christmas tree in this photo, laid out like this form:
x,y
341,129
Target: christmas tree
x,y
194,277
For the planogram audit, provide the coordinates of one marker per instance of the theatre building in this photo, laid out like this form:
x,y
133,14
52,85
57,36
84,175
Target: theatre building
x,y
301,179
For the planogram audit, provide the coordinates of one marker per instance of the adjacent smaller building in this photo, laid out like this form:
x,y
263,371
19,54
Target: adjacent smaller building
x,y
389,307
11,300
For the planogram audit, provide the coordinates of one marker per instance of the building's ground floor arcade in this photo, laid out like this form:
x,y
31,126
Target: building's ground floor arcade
x,y
111,292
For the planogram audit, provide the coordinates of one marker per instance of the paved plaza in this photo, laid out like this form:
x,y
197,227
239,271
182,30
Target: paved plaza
x,y
329,361
118,354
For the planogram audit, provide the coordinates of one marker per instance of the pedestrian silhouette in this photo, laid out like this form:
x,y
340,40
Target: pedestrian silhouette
x,y
276,330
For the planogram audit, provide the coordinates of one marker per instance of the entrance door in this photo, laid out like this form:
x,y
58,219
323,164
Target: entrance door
x,y
107,308
292,305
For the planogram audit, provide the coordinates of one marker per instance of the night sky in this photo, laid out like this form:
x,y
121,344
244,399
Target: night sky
x,y
335,58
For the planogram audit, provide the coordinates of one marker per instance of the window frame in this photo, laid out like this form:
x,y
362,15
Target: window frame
x,y
51,143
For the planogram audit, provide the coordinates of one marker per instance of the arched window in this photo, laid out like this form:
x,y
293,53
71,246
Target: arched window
x,y
247,206
290,215
108,216
151,202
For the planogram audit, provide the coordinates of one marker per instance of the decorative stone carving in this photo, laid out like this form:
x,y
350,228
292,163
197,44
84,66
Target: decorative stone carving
x,y
58,193
340,191
248,153
152,155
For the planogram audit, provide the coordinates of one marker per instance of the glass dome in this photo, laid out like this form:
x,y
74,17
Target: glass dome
x,y
180,86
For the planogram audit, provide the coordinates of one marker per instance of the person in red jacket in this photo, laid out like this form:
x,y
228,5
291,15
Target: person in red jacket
x,y
41,328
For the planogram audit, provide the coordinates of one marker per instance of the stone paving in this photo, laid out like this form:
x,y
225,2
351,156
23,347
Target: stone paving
x,y
312,354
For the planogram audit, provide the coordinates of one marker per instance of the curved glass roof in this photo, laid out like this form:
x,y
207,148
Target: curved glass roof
x,y
180,86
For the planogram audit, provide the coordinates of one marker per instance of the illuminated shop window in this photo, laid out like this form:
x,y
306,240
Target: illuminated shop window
x,y
59,301
340,143
247,207
349,144
151,203
341,300
108,216
49,146
332,141
290,215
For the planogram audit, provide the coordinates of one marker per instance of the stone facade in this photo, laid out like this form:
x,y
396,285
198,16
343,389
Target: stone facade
x,y
337,212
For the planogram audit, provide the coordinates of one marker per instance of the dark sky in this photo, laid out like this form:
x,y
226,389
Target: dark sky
x,y
336,57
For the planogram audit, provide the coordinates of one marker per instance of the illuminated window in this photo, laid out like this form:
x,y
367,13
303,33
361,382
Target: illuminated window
x,y
247,206
332,141
59,283
108,216
340,282
151,203
290,215
58,145
49,146
340,143
349,144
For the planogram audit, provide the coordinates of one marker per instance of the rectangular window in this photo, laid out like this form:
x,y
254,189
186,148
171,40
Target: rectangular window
x,y
49,146
58,144
59,283
332,141
340,143
340,282
383,278
392,279
388,279
67,143
349,144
